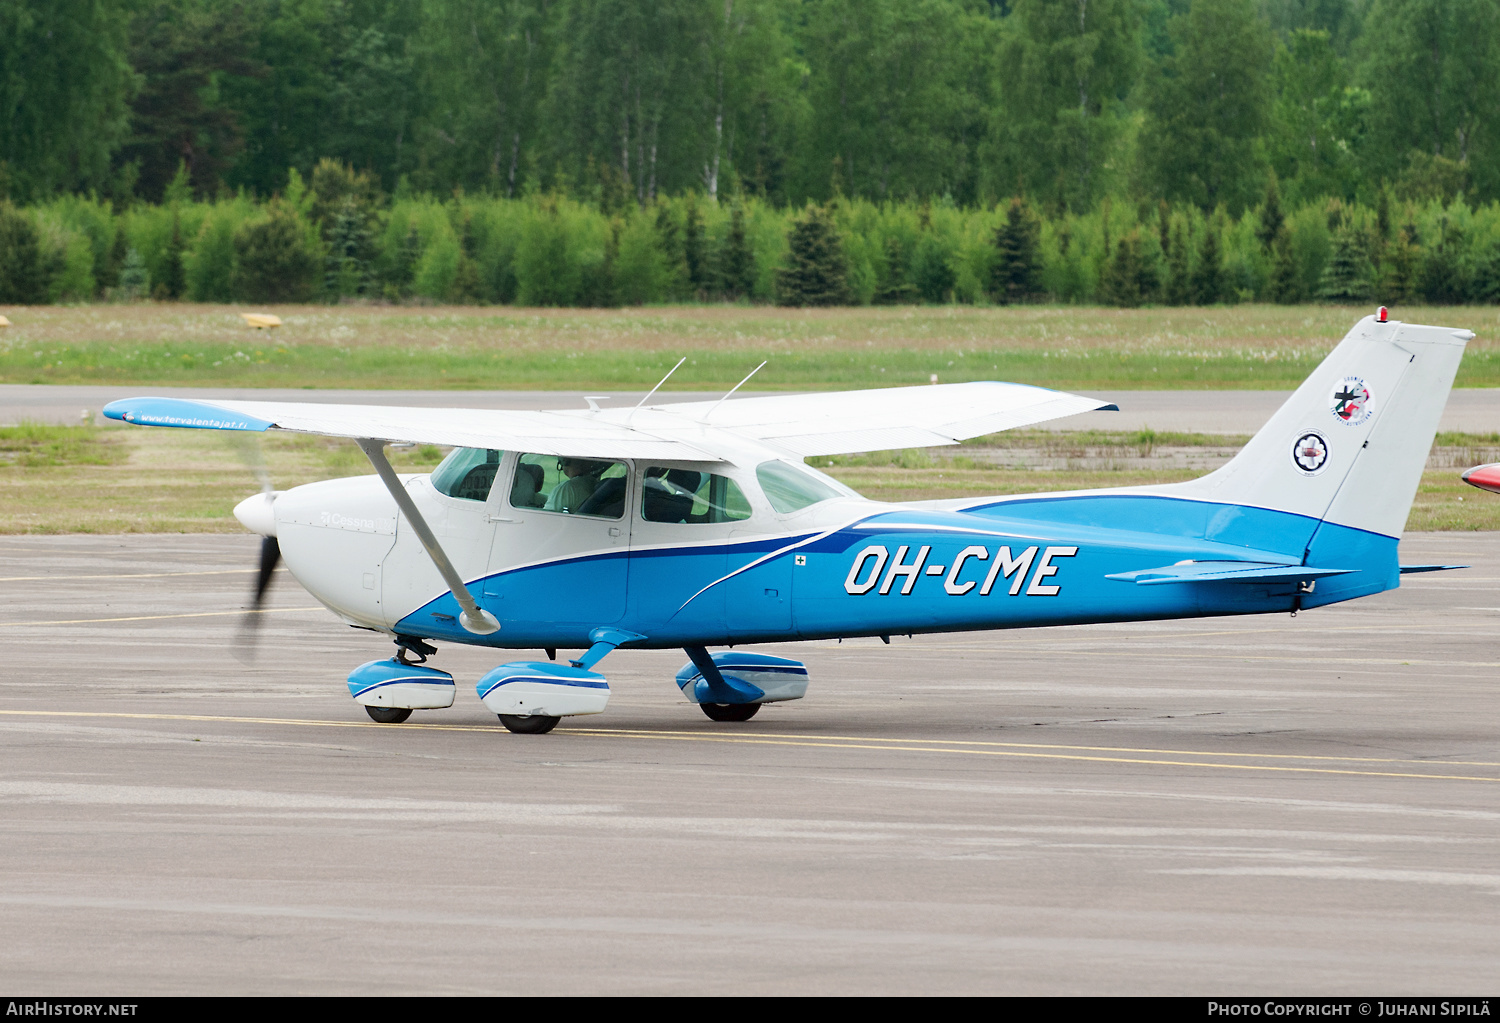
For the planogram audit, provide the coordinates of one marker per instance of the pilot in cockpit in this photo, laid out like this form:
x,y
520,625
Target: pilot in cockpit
x,y
582,479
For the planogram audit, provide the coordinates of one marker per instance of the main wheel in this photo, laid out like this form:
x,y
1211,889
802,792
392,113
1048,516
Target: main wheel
x,y
388,715
535,724
730,711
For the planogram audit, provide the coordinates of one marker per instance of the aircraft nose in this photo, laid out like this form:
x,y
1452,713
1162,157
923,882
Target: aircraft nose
x,y
257,513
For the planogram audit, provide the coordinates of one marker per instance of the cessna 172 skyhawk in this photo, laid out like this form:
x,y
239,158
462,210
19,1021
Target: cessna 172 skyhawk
x,y
697,525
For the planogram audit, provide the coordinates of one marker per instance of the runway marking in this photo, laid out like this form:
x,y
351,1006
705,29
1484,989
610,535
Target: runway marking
x,y
127,575
152,618
955,746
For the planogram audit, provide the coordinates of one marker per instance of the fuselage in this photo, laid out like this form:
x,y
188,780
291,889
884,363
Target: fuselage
x,y
841,566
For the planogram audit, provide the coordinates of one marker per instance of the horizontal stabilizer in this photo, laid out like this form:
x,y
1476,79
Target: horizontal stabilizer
x,y
1408,569
1226,572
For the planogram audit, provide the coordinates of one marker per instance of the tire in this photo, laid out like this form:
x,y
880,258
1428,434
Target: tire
x,y
388,715
730,711
535,724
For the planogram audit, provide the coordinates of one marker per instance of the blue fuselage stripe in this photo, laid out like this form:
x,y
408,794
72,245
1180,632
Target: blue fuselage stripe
x,y
1005,564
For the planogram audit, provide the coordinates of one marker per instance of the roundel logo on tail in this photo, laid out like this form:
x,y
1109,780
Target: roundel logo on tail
x,y
1351,402
1310,453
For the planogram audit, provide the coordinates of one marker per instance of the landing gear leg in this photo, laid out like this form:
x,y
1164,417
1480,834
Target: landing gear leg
x,y
532,724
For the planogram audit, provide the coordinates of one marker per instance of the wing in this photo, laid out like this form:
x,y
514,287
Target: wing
x,y
890,417
576,433
800,424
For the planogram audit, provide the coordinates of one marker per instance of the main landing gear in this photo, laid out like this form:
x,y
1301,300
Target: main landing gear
x,y
532,697
531,724
730,711
733,685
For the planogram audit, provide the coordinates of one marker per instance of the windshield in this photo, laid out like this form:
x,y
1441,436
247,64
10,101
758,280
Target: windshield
x,y
791,487
467,473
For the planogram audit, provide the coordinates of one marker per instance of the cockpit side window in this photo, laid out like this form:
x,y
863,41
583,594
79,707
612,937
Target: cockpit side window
x,y
790,488
687,495
573,486
467,473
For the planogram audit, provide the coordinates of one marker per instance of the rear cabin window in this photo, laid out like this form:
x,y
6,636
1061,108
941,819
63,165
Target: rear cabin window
x,y
687,495
573,486
467,473
790,489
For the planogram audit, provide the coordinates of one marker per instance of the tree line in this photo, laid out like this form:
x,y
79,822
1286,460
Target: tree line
x,y
337,236
1067,102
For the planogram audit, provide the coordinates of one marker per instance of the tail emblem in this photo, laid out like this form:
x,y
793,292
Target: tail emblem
x,y
1310,453
1351,401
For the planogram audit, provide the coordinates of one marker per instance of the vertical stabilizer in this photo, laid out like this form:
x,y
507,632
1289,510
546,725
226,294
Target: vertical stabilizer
x,y
1348,447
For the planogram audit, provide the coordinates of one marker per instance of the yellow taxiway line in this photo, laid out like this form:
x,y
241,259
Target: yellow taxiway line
x,y
1041,751
122,575
153,618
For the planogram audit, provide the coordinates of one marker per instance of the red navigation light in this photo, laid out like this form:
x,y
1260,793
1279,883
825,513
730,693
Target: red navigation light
x,y
1382,315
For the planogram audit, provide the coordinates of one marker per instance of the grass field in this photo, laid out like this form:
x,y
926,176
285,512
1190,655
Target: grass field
x,y
73,479
1248,346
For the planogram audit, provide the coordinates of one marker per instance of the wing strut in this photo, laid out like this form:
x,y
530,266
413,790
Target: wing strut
x,y
475,619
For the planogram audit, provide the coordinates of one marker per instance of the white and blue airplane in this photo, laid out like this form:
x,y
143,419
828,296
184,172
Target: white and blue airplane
x,y
699,525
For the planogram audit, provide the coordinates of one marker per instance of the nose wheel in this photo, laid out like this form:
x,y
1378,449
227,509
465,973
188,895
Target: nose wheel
x,y
388,715
730,711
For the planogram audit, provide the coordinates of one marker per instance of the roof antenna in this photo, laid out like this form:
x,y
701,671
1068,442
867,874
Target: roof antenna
x,y
736,387
660,382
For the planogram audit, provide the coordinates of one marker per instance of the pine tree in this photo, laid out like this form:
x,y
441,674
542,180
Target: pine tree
x,y
1017,269
1208,275
1442,280
135,279
1398,277
1285,283
894,286
736,259
931,271
1272,220
404,266
109,275
1123,280
174,274
23,277
349,242
695,253
1179,286
1485,286
669,237
466,285
1346,277
816,273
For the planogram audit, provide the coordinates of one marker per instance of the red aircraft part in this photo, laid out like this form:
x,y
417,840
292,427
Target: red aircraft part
x,y
1485,477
